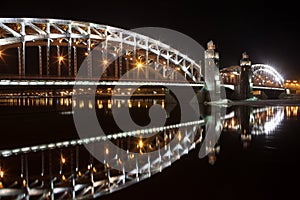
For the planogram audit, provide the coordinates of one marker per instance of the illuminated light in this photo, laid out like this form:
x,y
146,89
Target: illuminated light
x,y
232,76
131,156
106,151
89,167
105,62
63,178
139,65
232,122
62,159
79,173
139,104
120,161
86,53
61,59
1,55
177,68
179,136
140,144
24,183
1,185
94,170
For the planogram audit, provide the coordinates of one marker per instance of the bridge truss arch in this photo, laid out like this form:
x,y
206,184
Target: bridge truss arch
x,y
60,44
266,75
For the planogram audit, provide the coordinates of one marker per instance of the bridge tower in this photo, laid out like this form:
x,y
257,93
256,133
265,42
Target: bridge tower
x,y
245,90
211,71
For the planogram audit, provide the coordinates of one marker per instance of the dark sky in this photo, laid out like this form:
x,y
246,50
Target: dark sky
x,y
267,30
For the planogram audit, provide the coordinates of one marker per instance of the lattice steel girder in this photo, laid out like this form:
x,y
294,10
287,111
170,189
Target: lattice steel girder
x,y
18,30
268,70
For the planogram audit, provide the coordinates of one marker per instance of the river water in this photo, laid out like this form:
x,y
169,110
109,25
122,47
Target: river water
x,y
256,156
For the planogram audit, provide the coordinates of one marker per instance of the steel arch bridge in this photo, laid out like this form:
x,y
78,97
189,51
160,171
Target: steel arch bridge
x,y
262,76
61,45
266,75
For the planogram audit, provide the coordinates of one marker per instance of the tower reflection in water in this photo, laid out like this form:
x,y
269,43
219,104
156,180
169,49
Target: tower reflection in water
x,y
67,164
250,122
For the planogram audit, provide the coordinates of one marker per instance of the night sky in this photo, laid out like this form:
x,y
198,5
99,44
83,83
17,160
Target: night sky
x,y
267,30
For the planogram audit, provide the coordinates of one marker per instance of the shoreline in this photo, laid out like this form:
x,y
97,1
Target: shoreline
x,y
267,102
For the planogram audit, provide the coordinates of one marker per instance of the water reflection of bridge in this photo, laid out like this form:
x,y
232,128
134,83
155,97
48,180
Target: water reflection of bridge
x,y
66,169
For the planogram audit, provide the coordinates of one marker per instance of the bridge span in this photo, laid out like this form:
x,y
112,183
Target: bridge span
x,y
45,52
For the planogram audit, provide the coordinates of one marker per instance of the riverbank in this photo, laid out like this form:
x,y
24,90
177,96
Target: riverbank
x,y
267,102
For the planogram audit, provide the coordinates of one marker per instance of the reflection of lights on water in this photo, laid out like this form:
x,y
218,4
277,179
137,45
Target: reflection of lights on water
x,y
129,104
90,105
291,111
94,169
1,173
81,104
100,104
231,124
109,104
106,151
61,102
131,156
261,120
69,102
272,120
24,183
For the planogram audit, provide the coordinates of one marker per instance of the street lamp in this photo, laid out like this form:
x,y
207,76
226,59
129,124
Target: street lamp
x,y
61,59
139,65
2,54
62,162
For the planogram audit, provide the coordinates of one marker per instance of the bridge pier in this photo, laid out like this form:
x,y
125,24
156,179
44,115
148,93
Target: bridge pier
x,y
211,73
244,88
